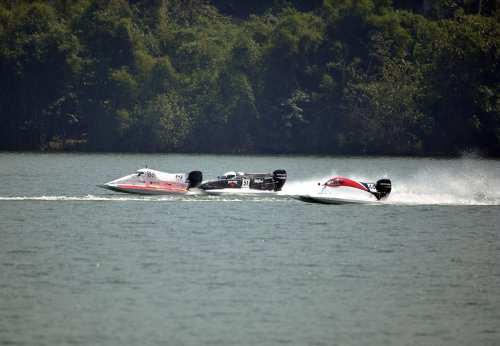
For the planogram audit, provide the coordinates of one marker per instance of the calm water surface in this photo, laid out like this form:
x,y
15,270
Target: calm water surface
x,y
84,266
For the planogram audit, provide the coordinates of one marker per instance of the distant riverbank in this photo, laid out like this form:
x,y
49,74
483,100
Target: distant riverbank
x,y
265,77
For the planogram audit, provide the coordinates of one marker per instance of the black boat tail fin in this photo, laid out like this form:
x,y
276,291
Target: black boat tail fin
x,y
279,178
384,187
194,179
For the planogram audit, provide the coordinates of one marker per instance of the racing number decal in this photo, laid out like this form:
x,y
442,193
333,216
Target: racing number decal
x,y
245,184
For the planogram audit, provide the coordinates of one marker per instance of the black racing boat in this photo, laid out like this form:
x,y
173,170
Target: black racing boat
x,y
245,183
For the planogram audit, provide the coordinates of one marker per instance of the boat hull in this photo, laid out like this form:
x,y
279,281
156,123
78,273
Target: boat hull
x,y
151,182
330,199
237,191
144,190
340,190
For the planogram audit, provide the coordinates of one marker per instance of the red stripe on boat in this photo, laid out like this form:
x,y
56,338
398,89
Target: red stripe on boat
x,y
338,182
149,187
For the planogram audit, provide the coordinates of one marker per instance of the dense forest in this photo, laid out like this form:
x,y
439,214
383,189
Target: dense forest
x,y
390,77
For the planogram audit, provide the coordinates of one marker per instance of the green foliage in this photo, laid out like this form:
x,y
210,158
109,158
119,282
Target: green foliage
x,y
391,117
333,77
167,123
465,75
38,60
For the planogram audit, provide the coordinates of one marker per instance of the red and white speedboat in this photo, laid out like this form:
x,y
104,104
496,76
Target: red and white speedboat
x,y
147,181
343,190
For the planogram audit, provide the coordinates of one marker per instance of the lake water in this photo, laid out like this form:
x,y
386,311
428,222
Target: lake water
x,y
81,265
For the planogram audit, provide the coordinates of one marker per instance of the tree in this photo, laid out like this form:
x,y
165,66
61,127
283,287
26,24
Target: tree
x,y
39,63
464,75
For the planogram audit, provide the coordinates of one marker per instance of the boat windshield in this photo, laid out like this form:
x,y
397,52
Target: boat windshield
x,y
229,175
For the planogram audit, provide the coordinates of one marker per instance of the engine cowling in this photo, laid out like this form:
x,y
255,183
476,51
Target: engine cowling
x,y
384,187
194,179
279,178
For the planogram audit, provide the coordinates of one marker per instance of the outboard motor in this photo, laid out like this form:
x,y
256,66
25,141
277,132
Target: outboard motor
x,y
279,178
194,179
383,187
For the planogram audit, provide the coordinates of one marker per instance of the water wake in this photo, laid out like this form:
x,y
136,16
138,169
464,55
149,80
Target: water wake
x,y
466,184
71,198
469,181
142,198
402,194
446,187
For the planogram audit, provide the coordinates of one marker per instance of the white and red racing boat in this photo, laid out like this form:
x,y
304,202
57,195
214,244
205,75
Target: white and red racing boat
x,y
147,181
343,190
